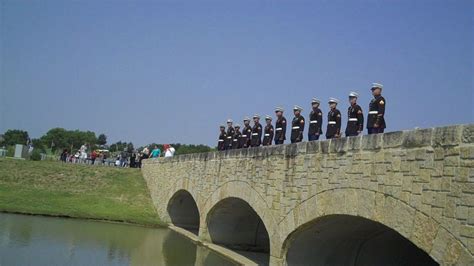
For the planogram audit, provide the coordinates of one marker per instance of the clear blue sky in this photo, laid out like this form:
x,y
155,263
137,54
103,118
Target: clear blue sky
x,y
173,71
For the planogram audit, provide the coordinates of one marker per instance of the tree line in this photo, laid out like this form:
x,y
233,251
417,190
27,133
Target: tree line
x,y
58,139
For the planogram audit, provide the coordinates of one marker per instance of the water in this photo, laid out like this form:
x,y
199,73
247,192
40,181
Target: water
x,y
35,240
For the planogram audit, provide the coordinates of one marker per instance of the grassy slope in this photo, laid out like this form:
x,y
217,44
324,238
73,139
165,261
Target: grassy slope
x,y
82,191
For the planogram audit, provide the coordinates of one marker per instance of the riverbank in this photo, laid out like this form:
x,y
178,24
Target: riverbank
x,y
77,191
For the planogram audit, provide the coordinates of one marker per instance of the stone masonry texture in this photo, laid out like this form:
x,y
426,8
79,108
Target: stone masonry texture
x,y
419,183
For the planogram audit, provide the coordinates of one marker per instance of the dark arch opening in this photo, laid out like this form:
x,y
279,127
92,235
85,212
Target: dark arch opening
x,y
351,240
183,211
233,223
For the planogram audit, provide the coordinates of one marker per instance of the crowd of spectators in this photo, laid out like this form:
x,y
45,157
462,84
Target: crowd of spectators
x,y
131,159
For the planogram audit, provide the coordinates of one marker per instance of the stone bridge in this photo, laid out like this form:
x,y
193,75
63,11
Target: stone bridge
x,y
396,198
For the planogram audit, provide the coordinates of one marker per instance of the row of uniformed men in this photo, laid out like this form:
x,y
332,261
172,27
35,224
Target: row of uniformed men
x,y
233,138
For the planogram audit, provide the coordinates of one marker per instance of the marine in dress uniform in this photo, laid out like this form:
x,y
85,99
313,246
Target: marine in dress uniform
x,y
297,125
222,139
230,135
375,120
280,126
334,120
268,132
315,121
256,138
236,139
244,141
355,117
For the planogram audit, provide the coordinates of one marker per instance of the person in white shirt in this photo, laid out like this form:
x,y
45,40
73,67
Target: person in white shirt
x,y
83,156
76,157
146,153
169,150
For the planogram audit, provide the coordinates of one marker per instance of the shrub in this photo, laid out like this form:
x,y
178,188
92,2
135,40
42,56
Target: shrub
x,y
35,155
10,151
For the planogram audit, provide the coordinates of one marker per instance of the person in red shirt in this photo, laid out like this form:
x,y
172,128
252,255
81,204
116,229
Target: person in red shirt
x,y
93,156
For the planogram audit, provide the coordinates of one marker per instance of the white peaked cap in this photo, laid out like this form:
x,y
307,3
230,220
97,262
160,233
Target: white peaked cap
x,y
333,100
229,120
377,85
279,109
353,94
256,116
267,117
246,118
315,100
297,108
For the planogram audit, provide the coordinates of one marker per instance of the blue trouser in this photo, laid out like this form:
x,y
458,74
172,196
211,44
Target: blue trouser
x,y
313,137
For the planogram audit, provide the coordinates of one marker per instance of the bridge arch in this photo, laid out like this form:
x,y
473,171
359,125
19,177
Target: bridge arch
x,y
233,223
183,211
235,195
377,212
351,240
166,193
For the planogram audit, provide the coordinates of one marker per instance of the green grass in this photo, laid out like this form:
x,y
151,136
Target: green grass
x,y
80,191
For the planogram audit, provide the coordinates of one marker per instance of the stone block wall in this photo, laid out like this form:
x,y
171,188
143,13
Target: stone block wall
x,y
419,183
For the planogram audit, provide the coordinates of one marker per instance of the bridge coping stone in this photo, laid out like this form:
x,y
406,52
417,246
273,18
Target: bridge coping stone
x,y
435,137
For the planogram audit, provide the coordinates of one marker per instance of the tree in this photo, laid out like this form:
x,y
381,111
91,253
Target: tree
x,y
102,139
186,149
77,138
129,147
38,145
121,146
60,138
113,147
15,136
56,138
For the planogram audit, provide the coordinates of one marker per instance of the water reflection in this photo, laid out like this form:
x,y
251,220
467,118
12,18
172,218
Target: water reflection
x,y
34,240
173,248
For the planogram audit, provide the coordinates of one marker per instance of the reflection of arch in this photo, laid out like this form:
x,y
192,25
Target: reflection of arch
x,y
351,240
183,211
232,222
420,229
177,250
